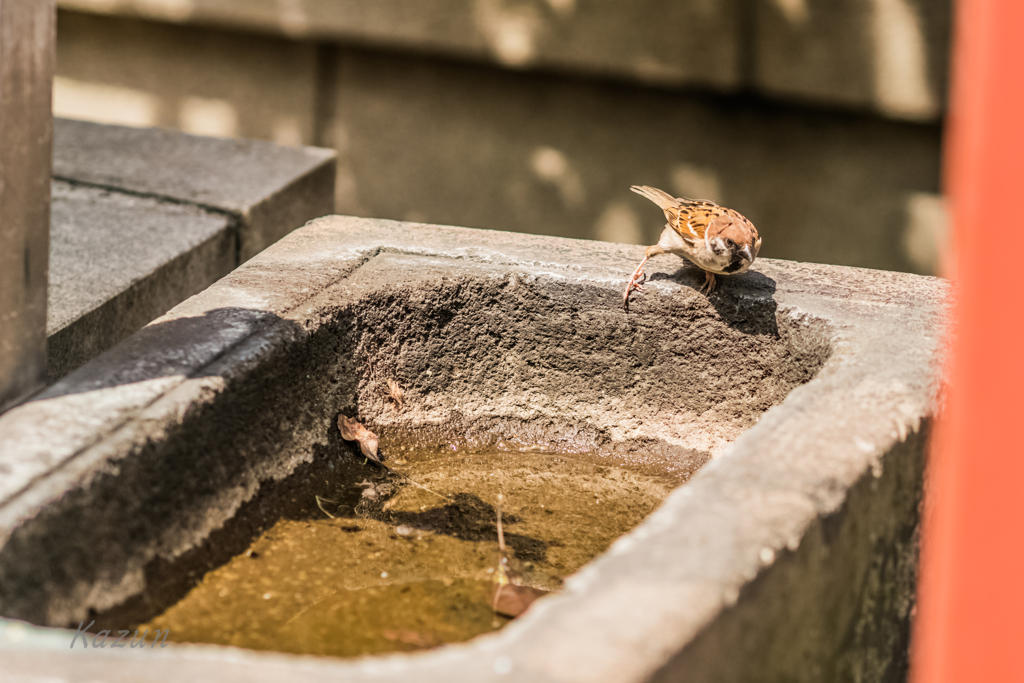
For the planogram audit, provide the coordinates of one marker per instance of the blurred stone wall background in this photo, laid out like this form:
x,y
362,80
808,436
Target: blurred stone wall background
x,y
821,120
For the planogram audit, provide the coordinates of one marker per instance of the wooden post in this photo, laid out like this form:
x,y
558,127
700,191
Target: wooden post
x,y
27,41
970,620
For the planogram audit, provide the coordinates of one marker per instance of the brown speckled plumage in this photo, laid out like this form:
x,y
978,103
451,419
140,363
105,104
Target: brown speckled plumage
x,y
717,239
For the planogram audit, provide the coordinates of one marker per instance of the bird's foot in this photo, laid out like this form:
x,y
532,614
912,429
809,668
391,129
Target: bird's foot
x,y
635,282
709,283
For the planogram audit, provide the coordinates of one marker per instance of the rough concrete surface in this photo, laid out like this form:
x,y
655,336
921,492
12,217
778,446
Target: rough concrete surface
x,y
143,219
117,261
270,189
789,557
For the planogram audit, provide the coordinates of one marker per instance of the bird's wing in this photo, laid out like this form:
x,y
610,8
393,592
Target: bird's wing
x,y
692,217
688,217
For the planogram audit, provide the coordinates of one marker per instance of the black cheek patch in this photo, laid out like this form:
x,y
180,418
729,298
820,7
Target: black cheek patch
x,y
735,265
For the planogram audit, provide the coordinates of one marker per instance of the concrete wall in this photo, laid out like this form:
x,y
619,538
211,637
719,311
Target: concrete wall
x,y
203,82
820,120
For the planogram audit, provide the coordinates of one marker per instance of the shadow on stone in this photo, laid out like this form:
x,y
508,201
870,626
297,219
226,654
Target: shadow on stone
x,y
745,302
173,348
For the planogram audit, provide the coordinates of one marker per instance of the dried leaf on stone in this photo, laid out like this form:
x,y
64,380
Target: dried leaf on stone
x,y
352,430
396,394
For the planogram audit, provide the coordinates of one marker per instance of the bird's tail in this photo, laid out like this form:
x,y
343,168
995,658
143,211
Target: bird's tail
x,y
659,197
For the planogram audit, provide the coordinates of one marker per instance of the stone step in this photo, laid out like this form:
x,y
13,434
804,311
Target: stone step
x,y
144,218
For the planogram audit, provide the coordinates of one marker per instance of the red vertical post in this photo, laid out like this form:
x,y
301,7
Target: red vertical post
x,y
970,621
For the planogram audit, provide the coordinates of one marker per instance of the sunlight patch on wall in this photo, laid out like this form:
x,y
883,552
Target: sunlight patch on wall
x,y
208,116
293,18
563,7
619,223
901,61
795,11
695,182
511,32
552,166
104,103
286,130
927,232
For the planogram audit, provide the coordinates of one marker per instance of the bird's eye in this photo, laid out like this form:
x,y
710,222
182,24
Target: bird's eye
x,y
729,243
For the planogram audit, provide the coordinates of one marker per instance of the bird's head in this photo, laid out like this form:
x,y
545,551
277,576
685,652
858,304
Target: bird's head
x,y
735,236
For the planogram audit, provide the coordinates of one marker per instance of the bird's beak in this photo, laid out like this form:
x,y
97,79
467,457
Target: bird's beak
x,y
747,253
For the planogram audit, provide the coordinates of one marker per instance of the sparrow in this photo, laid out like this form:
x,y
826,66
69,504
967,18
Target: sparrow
x,y
716,239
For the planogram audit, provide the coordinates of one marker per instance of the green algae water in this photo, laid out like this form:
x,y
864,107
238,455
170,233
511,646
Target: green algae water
x,y
389,567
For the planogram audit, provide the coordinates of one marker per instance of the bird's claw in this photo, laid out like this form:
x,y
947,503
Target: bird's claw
x,y
635,282
709,284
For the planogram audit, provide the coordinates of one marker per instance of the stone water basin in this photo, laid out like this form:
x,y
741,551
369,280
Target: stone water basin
x,y
790,410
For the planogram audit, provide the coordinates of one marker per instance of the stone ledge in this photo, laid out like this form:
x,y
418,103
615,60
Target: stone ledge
x,y
117,261
269,189
144,218
809,506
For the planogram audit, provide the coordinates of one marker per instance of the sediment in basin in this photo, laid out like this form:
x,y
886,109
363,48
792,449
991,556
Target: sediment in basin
x,y
400,569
